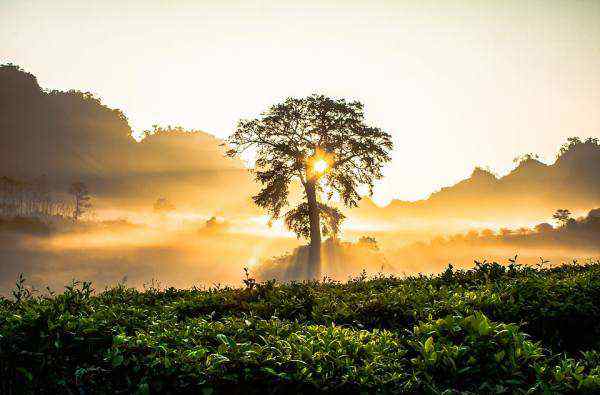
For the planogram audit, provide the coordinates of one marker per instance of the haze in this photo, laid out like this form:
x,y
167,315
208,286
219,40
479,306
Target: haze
x,y
457,83
462,88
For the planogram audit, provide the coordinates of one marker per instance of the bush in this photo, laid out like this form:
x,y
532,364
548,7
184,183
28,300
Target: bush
x,y
493,329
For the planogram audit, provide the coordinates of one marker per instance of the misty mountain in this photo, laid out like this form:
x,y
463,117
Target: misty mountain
x,y
531,190
73,136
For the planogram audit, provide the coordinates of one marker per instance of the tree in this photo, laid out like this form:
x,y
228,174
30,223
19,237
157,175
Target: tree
x,y
368,242
571,143
163,206
82,198
323,144
563,216
526,158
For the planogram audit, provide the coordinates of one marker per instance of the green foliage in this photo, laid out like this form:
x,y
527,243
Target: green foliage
x,y
492,329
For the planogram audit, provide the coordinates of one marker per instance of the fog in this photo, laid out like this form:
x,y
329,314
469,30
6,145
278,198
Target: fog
x,y
206,229
181,256
183,251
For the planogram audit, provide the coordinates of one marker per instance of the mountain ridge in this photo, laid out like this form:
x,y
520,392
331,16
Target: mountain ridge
x,y
571,181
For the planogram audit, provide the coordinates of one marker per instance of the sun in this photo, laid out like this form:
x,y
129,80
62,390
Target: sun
x,y
320,165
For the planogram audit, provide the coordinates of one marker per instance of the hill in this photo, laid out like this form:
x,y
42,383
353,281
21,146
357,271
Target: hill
x,y
72,136
492,329
528,192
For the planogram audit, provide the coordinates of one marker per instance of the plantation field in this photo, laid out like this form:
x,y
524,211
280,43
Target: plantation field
x,y
492,329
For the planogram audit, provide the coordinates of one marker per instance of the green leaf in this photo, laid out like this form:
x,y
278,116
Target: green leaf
x,y
25,373
484,327
143,389
117,360
223,339
428,344
499,356
270,371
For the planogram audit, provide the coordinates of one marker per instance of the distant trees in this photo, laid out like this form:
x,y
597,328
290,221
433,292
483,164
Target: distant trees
x,y
214,226
526,158
325,146
81,196
34,199
573,142
20,198
368,242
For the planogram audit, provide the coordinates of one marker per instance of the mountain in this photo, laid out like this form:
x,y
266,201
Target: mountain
x,y
73,136
532,190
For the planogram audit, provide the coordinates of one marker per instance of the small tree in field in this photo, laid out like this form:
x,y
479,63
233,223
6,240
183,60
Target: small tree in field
x,y
563,216
163,206
322,143
82,198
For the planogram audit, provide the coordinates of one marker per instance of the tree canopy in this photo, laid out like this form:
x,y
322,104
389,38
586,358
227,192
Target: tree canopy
x,y
325,145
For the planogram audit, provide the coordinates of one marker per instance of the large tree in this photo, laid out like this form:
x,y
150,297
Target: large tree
x,y
325,145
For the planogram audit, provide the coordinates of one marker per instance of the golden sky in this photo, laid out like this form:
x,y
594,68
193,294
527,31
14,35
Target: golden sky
x,y
457,83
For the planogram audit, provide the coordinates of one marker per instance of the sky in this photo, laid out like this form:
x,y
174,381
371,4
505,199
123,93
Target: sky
x,y
458,84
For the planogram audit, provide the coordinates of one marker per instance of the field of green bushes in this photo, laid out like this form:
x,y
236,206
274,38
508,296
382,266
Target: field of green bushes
x,y
493,329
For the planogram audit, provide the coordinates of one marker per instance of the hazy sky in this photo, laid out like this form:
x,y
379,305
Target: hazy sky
x,y
457,83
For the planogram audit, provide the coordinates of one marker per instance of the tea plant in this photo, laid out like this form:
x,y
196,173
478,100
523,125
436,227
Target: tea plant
x,y
492,329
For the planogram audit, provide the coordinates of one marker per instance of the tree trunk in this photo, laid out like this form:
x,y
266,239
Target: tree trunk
x,y
76,213
314,252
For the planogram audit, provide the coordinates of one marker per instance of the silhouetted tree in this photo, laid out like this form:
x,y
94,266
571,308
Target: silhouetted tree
x,y
563,216
573,142
368,242
81,196
526,158
321,142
